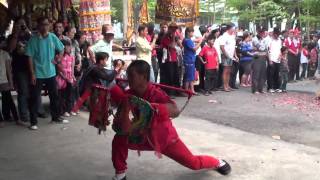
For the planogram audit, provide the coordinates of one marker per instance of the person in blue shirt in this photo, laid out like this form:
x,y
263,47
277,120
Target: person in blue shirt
x,y
246,59
41,50
189,59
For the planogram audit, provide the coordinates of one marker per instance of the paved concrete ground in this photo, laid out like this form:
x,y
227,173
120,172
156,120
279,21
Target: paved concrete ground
x,y
237,126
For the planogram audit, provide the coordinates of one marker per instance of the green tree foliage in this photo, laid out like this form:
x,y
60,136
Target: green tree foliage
x,y
117,10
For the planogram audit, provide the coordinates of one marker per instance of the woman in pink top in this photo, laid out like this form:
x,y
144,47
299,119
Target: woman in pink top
x,y
66,80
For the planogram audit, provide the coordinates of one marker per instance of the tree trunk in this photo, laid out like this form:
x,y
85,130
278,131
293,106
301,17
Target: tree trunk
x,y
214,12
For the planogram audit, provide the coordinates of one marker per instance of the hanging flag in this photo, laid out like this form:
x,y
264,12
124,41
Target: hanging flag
x,y
130,21
144,13
94,14
184,12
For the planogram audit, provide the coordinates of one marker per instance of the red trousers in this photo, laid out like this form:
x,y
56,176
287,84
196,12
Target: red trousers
x,y
176,151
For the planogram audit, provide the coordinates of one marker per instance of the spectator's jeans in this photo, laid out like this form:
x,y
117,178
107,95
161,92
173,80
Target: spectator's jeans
x,y
1,118
284,76
8,106
65,99
304,70
312,68
53,96
220,79
155,67
294,66
259,72
233,75
75,93
172,75
273,76
211,79
23,88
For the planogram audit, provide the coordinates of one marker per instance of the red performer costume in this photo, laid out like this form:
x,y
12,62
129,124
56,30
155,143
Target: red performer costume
x,y
162,137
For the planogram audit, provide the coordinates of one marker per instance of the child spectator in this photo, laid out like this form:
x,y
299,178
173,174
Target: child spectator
x,y
313,63
120,64
284,69
304,59
121,73
209,57
97,74
66,80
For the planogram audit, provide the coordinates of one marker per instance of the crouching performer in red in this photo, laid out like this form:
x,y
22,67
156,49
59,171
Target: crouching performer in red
x,y
159,135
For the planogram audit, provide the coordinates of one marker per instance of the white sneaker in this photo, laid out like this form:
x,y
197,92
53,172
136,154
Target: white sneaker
x,y
279,91
66,114
73,113
271,91
34,127
120,177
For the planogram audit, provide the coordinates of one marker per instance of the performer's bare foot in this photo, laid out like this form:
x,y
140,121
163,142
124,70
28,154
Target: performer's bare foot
x,y
224,168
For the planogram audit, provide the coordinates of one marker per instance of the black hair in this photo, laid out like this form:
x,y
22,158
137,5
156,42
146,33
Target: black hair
x,y
203,29
304,44
140,67
223,28
276,31
58,22
245,35
229,26
68,29
78,35
19,18
100,56
312,45
283,49
115,62
188,30
40,20
211,37
150,27
66,42
142,27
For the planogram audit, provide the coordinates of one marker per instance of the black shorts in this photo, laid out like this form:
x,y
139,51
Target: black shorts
x,y
246,66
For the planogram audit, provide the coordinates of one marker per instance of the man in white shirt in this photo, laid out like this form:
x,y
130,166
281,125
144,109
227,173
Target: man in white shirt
x,y
105,45
228,54
274,61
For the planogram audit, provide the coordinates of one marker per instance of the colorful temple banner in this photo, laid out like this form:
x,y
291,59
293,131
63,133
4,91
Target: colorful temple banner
x,y
93,14
183,12
144,13
130,22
